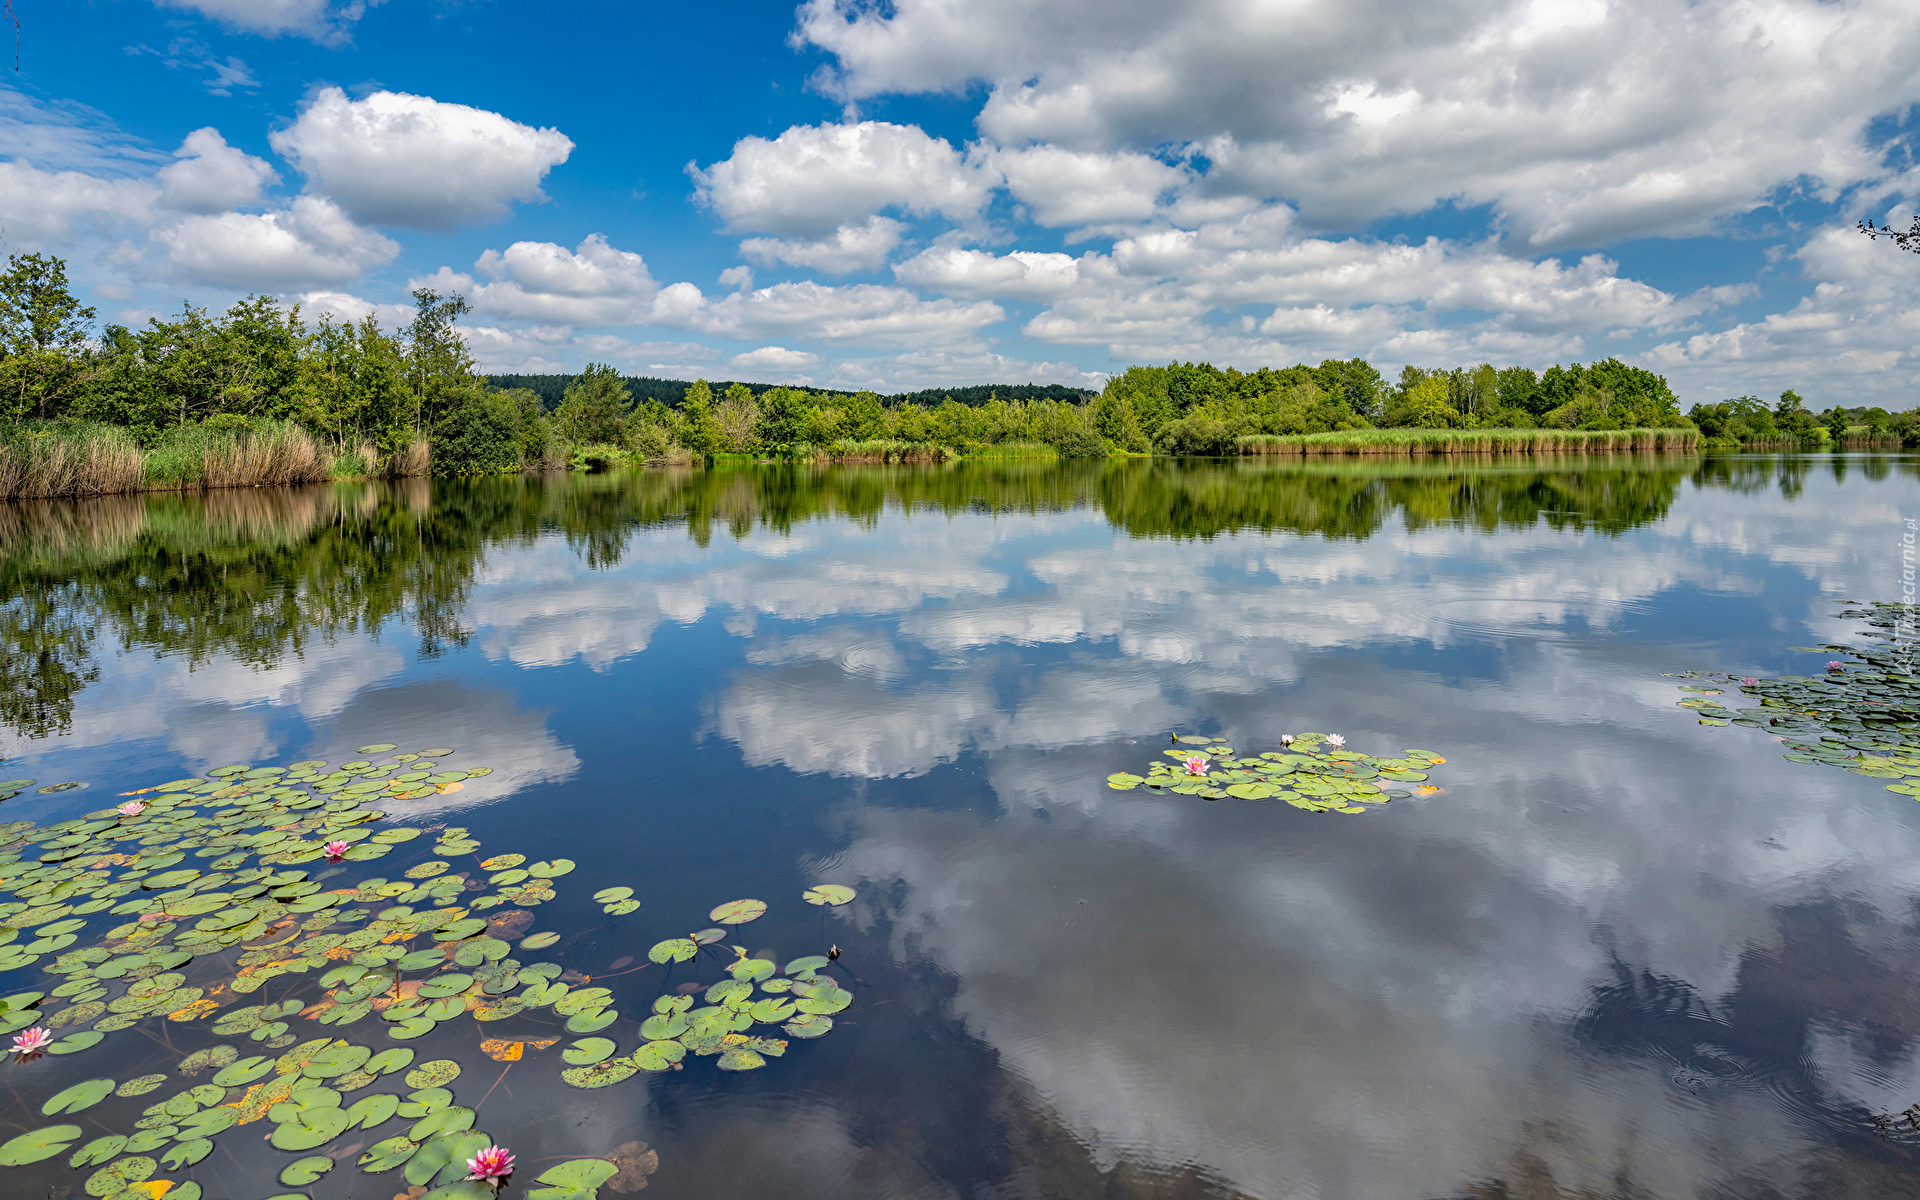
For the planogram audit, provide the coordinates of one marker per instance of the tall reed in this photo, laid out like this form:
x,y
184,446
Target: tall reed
x,y
202,456
47,459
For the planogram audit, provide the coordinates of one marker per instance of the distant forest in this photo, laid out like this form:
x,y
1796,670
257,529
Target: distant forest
x,y
673,392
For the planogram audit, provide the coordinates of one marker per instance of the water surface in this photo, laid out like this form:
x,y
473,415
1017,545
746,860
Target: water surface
x,y
1619,955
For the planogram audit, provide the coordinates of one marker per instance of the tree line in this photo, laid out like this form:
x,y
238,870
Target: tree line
x,y
352,383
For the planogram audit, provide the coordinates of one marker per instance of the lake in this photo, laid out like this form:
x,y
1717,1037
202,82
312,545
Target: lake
x,y
1602,950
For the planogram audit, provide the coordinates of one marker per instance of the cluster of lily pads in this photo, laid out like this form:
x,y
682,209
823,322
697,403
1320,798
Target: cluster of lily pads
x,y
1863,715
1313,771
193,944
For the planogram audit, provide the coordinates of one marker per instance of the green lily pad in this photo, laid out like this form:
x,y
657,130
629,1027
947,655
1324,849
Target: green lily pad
x,y
40,1144
737,912
663,1026
437,1073
811,963
443,1159
620,908
376,748
588,1051
117,1177
140,1086
808,1025
599,1075
79,1096
591,1022
303,1171
386,1155
188,1152
243,1072
369,1111
550,870
539,941
98,1151
575,1180
608,895
658,1055
446,1120
674,950
75,1042
825,1000
310,1127
411,1028
740,1059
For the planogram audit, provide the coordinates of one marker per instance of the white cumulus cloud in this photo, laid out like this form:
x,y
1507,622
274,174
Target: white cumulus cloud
x,y
309,242
592,285
860,247
774,359
812,179
1578,122
417,162
863,314
209,176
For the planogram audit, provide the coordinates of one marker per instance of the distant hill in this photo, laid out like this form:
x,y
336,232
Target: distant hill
x,y
673,392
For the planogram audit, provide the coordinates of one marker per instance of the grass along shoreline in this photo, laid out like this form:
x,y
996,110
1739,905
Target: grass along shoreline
x,y
57,459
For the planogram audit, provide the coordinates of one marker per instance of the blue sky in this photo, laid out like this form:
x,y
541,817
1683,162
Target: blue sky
x,y
955,191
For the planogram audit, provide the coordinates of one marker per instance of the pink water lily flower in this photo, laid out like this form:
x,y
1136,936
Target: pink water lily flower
x,y
1749,682
32,1041
1196,765
1286,739
335,849
1836,665
490,1165
131,808
1336,741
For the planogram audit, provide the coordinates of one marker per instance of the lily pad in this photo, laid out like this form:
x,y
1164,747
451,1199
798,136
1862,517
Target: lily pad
x,y
674,950
659,1055
243,1072
550,870
40,1144
443,1159
608,895
575,1180
739,1058
75,1042
599,1075
304,1171
588,1051
437,1073
828,894
187,1153
78,1097
808,1025
738,912
388,1154
138,1087
310,1127
539,941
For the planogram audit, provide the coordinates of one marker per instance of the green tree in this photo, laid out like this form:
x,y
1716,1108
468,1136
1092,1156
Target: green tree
x,y
439,367
699,431
862,418
43,337
594,408
481,437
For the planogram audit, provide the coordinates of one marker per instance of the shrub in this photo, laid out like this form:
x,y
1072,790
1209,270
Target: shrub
x,y
481,437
